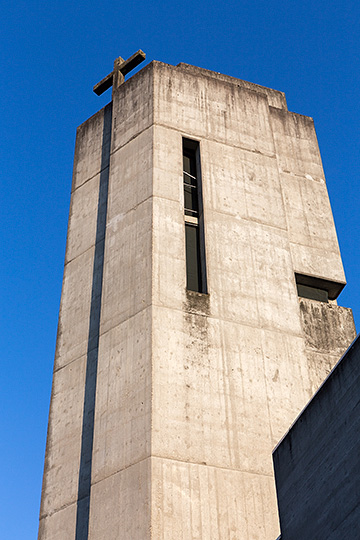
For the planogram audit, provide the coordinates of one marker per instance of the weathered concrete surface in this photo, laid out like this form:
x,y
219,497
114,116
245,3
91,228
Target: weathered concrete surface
x,y
275,97
123,406
233,377
60,525
192,391
64,438
317,463
121,474
81,292
193,501
121,504
328,330
90,143
311,229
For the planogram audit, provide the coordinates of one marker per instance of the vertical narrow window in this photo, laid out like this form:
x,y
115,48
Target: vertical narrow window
x,y
194,221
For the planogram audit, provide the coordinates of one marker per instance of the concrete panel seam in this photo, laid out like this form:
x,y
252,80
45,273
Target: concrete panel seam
x,y
232,321
130,140
165,458
132,209
49,514
102,240
240,218
57,370
251,220
103,333
92,247
304,177
106,477
88,179
208,138
337,252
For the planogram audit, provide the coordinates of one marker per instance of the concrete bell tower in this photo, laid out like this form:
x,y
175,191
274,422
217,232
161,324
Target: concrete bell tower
x,y
198,312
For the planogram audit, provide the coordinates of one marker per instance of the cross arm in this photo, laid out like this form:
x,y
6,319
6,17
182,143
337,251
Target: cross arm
x,y
104,84
121,68
132,62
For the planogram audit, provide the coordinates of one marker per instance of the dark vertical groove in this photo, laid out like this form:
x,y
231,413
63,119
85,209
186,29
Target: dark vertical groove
x,y
84,486
201,225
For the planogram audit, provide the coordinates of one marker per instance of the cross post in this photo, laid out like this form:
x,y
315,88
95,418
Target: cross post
x,y
121,68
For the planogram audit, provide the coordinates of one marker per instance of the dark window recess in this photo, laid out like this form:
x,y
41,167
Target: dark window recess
x,y
191,202
193,260
194,222
312,292
318,288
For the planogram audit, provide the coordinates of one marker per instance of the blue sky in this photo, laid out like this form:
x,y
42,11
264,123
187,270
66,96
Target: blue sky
x,y
52,53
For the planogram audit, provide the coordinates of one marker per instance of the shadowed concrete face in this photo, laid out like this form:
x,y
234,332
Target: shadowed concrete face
x,y
317,463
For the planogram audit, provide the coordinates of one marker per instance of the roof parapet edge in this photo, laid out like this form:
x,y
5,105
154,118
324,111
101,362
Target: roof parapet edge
x,y
239,82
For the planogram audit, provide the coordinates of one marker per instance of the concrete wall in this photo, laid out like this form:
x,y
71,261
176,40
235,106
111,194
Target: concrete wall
x,y
121,470
317,463
63,450
328,330
232,370
186,394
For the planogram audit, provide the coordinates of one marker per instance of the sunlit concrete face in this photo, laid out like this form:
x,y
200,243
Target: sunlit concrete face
x,y
191,392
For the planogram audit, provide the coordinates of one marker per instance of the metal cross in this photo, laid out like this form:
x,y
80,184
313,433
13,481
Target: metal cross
x,y
121,68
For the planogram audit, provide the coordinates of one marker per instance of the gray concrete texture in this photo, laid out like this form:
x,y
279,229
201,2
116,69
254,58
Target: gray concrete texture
x,y
317,463
192,391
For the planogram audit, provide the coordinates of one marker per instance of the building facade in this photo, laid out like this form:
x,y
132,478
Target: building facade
x,y
198,312
317,463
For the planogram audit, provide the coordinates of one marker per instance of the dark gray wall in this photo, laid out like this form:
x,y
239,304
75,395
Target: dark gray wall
x,y
317,464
